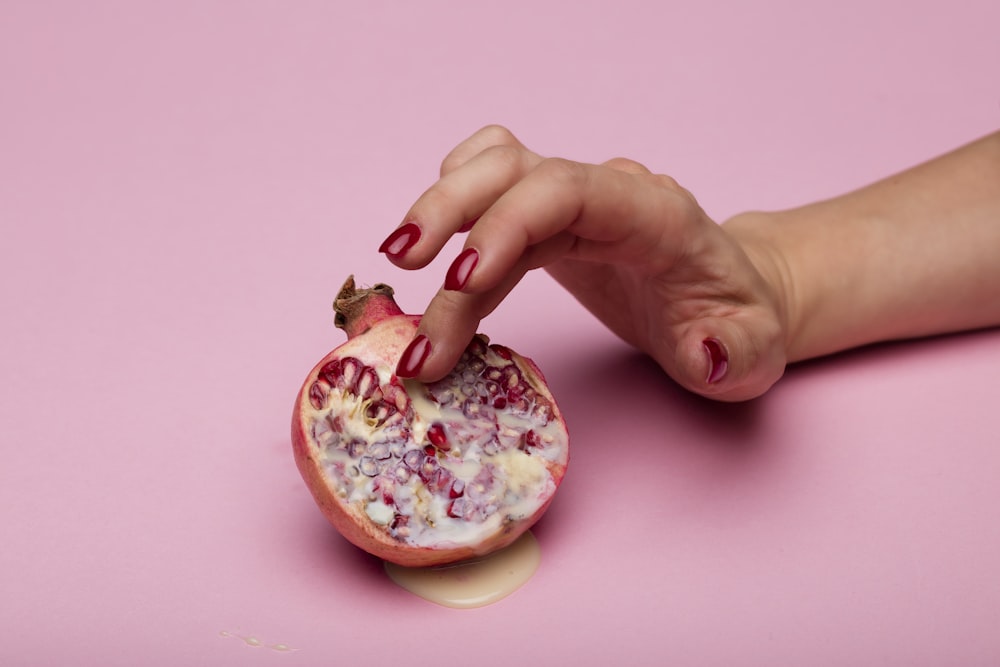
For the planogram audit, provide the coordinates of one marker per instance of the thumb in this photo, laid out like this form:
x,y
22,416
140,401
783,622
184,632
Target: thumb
x,y
728,360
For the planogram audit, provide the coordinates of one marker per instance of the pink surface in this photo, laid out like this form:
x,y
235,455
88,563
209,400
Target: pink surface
x,y
183,185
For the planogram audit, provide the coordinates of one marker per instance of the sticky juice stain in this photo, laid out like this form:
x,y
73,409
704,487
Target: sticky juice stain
x,y
472,583
255,642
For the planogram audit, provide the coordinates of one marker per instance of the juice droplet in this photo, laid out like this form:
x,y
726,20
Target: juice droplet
x,y
472,583
255,642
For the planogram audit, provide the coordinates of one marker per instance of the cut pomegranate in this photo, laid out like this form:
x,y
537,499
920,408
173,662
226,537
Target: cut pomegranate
x,y
425,474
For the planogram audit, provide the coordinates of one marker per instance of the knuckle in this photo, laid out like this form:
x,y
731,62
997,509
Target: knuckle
x,y
627,165
505,156
667,182
435,199
562,172
481,140
496,134
451,162
670,184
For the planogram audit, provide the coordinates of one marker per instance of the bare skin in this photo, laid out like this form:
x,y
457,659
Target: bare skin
x,y
722,308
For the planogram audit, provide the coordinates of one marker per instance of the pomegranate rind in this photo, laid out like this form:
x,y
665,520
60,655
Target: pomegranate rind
x,y
352,520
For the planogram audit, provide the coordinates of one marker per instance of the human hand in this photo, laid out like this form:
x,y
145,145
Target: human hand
x,y
633,247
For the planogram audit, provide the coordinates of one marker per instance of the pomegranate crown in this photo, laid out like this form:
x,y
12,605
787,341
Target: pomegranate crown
x,y
357,309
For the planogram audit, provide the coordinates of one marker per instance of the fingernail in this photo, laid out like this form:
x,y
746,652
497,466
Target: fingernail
x,y
718,362
413,357
460,270
401,240
467,226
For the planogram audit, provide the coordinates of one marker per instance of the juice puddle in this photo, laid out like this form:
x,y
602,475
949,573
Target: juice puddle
x,y
472,583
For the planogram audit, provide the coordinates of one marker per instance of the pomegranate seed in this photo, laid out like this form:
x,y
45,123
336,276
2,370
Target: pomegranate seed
x,y
511,378
380,451
350,372
317,395
379,412
489,389
473,409
436,434
367,466
477,347
367,382
461,508
326,438
457,489
443,481
428,469
501,351
519,405
445,398
397,448
331,372
529,441
412,459
399,525
398,397
542,412
386,487
356,447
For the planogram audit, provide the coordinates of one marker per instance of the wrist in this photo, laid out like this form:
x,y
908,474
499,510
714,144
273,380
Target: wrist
x,y
759,237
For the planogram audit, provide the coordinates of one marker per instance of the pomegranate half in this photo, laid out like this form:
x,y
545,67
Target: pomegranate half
x,y
425,474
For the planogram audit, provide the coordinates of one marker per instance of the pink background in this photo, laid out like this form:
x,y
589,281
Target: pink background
x,y
184,185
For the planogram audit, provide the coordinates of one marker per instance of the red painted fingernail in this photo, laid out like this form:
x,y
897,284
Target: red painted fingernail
x,y
413,357
718,361
460,270
401,240
467,226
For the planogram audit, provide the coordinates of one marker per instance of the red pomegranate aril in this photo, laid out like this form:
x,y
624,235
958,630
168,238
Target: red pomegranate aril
x,y
356,447
368,466
385,487
380,451
330,372
428,469
425,474
413,458
317,395
436,434
461,508
367,383
442,481
350,371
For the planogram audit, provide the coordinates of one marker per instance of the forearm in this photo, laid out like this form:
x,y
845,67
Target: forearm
x,y
912,255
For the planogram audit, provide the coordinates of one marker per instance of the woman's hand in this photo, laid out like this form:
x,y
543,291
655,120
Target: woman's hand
x,y
635,248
